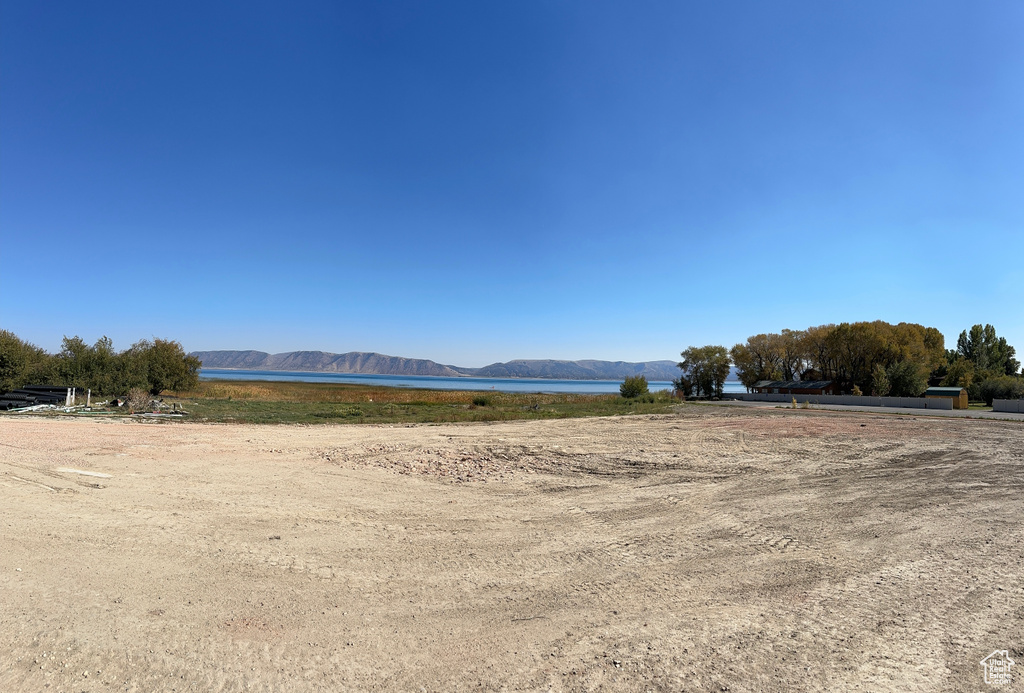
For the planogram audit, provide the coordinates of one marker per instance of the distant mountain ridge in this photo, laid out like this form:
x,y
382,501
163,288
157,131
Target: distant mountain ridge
x,y
372,363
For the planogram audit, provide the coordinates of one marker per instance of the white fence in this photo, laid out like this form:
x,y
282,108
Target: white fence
x,y
1008,405
851,400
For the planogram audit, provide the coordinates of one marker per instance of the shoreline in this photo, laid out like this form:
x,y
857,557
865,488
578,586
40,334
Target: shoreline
x,y
413,375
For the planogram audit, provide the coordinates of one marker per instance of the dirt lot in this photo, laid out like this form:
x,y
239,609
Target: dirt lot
x,y
717,549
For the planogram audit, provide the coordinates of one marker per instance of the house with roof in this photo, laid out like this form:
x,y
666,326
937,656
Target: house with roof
x,y
957,394
796,387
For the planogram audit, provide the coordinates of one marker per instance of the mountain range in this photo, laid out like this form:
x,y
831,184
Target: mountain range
x,y
380,364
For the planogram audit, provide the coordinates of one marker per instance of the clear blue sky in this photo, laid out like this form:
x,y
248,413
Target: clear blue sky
x,y
474,182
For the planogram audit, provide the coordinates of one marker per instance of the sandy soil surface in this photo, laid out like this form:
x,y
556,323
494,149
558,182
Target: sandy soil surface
x,y
717,549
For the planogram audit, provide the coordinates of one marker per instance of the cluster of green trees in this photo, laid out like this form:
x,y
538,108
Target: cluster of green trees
x,y
705,370
154,366
875,357
984,364
872,357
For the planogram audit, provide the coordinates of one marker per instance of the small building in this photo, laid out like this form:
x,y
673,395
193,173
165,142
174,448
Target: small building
x,y
957,394
796,387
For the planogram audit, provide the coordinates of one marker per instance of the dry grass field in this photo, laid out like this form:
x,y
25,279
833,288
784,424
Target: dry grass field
x,y
710,549
237,401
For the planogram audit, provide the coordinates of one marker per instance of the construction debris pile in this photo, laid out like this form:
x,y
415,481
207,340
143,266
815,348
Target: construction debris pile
x,y
39,399
34,395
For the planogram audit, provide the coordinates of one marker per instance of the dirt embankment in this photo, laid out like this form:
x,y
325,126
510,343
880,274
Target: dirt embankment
x,y
713,550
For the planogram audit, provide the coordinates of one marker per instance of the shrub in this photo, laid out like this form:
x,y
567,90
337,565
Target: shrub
x,y
905,379
481,401
166,365
340,413
880,386
1001,387
22,363
633,386
138,400
974,392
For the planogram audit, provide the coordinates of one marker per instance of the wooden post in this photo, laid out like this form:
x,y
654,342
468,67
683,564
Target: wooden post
x,y
88,397
67,398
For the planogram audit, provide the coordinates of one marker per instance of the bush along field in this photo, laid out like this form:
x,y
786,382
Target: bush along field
x,y
317,403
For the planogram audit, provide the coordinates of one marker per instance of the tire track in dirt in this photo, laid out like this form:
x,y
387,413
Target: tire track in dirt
x,y
763,552
50,475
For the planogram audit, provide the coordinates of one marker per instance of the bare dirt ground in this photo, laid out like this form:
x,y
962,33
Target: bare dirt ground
x,y
717,549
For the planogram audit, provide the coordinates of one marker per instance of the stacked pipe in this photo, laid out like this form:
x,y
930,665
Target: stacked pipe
x,y
31,395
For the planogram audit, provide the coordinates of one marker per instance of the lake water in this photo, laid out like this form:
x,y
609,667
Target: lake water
x,y
427,382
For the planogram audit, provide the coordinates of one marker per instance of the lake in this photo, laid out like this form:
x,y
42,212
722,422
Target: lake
x,y
428,382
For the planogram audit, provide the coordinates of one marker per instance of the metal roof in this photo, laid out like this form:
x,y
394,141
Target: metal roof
x,y
943,390
794,384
